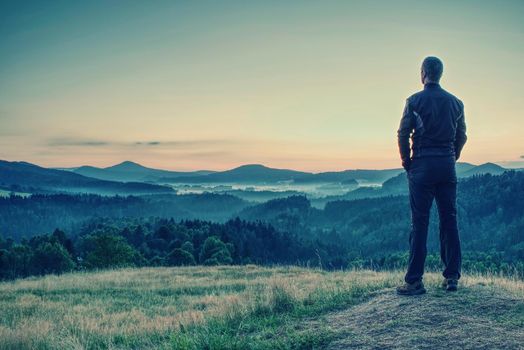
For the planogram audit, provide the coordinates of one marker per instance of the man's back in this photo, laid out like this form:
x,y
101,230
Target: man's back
x,y
435,120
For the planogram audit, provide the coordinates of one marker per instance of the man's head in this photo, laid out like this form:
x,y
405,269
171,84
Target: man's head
x,y
431,70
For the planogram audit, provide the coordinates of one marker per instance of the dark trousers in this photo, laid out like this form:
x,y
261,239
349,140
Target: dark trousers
x,y
433,178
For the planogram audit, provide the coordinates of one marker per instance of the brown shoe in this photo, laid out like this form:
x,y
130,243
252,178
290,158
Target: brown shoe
x,y
415,288
450,284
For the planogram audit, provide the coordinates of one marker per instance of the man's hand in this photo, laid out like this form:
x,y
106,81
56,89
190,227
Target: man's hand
x,y
406,164
403,133
460,137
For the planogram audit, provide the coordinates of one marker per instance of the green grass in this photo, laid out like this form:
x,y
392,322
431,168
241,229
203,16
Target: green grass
x,y
225,307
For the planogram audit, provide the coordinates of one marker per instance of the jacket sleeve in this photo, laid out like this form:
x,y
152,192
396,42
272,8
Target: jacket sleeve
x,y
460,136
403,133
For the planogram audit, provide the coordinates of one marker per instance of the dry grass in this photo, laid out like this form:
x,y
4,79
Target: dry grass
x,y
487,313
431,321
151,307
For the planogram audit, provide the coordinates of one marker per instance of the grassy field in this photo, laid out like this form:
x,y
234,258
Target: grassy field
x,y
226,307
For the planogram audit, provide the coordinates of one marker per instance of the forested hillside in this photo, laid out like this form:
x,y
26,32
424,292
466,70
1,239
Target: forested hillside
x,y
27,177
27,216
490,213
149,231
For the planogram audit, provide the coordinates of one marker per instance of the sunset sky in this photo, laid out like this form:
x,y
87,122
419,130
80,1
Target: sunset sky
x,y
308,85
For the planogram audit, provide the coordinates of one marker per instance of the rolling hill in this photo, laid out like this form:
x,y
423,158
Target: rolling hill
x,y
398,184
131,171
462,167
486,168
129,177
359,175
248,173
257,173
33,178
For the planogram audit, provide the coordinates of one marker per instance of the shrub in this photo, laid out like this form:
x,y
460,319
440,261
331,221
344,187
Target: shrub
x,y
180,257
52,258
215,252
106,250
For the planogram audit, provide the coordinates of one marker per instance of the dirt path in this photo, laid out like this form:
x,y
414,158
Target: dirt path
x,y
473,318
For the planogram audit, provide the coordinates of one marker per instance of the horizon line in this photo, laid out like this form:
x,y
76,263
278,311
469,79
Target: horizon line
x,y
245,164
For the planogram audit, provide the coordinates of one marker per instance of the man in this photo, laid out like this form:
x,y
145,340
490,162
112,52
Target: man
x,y
434,119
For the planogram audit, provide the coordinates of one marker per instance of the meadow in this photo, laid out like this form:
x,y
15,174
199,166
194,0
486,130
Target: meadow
x,y
221,307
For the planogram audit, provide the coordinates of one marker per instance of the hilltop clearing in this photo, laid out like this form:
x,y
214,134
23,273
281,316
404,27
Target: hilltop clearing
x,y
252,307
477,317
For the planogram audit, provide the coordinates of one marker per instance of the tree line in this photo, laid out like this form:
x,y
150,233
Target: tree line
x,y
369,232
109,243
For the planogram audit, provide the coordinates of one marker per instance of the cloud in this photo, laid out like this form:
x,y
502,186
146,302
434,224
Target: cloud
x,y
188,143
149,143
60,142
178,144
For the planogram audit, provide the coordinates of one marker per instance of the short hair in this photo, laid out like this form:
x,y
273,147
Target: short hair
x,y
433,68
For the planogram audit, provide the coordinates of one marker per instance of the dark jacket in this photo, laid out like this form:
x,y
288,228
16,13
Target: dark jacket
x,y
434,119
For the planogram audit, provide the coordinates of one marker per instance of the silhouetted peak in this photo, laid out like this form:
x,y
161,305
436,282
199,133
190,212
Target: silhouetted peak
x,y
251,166
126,165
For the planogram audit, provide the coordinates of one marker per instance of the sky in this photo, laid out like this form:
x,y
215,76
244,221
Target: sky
x,y
307,85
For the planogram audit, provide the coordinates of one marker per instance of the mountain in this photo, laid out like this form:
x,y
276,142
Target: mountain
x,y
259,174
462,167
370,176
131,171
359,175
398,185
252,173
33,178
381,176
486,168
243,174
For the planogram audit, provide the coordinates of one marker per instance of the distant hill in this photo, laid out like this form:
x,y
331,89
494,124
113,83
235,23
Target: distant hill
x,y
252,173
243,174
260,196
130,171
359,175
486,168
32,178
298,206
463,167
395,186
257,173
398,184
